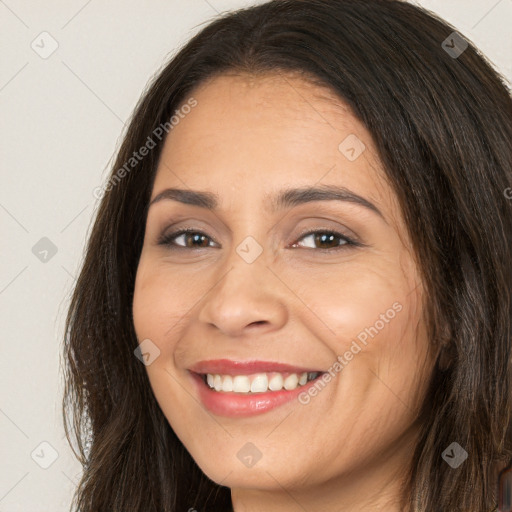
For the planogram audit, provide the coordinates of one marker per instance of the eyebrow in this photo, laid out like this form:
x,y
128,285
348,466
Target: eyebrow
x,y
287,198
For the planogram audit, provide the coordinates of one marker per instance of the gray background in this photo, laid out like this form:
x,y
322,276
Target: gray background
x,y
62,117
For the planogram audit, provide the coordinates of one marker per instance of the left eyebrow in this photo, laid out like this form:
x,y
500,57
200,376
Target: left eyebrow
x,y
293,197
286,198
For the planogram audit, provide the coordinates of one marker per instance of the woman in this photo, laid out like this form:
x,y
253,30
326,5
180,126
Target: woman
x,y
297,291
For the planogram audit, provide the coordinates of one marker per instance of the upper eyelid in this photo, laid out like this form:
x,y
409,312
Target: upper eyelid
x,y
195,223
327,215
307,232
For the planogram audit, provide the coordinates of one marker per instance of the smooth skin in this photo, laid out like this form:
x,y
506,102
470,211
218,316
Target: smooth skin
x,y
303,301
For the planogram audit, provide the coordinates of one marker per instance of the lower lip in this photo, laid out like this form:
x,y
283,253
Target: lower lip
x,y
241,405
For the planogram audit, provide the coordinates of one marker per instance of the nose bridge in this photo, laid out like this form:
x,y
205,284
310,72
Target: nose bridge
x,y
246,293
251,251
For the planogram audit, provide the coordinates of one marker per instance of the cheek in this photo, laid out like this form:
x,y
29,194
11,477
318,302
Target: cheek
x,y
369,315
161,301
160,304
359,300
382,340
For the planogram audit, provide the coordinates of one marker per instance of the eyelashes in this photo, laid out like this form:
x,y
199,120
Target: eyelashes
x,y
169,239
326,236
192,236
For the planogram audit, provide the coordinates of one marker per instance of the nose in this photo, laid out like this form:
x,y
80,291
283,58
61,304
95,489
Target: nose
x,y
247,298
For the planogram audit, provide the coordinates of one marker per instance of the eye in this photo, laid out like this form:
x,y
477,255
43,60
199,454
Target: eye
x,y
328,240
191,239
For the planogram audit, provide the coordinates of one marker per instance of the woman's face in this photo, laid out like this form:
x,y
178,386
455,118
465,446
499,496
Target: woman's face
x,y
278,285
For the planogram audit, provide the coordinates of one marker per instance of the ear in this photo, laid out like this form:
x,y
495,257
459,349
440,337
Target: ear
x,y
503,477
447,351
446,358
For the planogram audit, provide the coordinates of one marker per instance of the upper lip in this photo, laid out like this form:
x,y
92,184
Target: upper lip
x,y
230,367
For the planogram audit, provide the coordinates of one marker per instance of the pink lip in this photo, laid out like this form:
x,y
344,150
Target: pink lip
x,y
229,367
243,405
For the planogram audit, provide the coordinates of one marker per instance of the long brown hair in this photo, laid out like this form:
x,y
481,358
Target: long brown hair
x,y
442,124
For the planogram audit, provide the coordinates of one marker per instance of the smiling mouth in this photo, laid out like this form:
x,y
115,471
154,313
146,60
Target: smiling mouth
x,y
236,389
258,382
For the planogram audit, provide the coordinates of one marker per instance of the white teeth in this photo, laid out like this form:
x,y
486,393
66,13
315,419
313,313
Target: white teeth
x,y
227,383
276,382
217,382
258,382
241,384
291,382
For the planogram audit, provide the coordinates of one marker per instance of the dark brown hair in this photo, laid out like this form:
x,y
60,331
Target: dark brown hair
x,y
442,125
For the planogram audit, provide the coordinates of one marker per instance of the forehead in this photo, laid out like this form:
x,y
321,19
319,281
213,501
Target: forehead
x,y
251,135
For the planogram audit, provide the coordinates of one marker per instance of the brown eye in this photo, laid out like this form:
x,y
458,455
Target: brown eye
x,y
191,239
327,240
